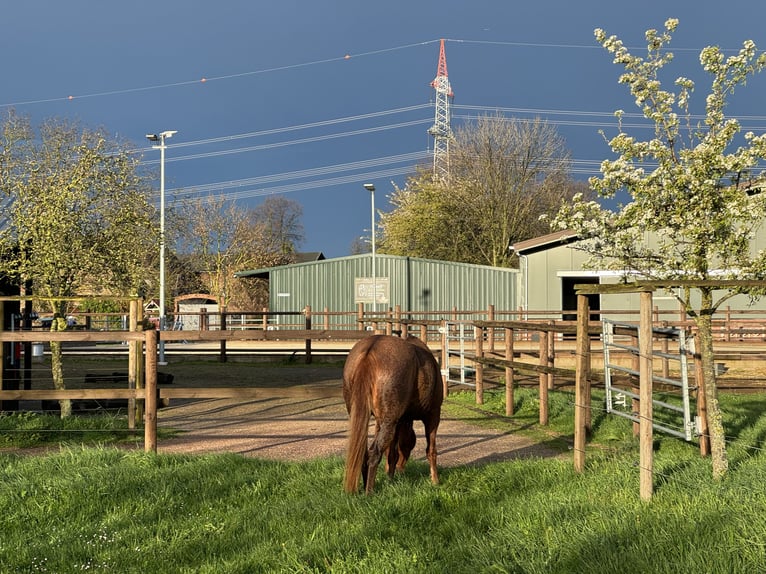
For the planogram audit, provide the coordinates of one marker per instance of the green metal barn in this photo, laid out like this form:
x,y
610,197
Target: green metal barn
x,y
552,265
419,285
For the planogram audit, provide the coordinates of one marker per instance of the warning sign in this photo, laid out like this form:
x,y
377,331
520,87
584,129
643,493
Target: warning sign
x,y
367,290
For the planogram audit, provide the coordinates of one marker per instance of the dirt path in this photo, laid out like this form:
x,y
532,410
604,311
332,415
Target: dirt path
x,y
301,429
285,429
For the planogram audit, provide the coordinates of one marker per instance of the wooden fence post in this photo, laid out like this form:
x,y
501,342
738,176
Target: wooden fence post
x,y
445,358
491,333
635,364
479,336
582,380
701,406
551,355
727,320
150,390
664,346
222,327
2,350
509,378
307,312
646,460
543,377
133,357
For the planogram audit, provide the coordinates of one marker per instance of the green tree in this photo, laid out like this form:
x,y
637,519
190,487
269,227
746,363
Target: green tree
x,y
78,217
504,174
424,222
689,216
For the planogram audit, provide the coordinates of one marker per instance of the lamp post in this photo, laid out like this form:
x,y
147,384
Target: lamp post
x,y
371,188
161,137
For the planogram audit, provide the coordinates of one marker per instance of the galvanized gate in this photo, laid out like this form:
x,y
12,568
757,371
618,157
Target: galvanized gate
x,y
458,337
616,402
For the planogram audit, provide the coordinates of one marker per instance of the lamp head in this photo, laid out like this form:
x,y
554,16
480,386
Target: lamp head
x,y
161,136
369,187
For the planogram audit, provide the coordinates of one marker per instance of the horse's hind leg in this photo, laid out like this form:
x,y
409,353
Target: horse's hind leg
x,y
365,466
392,455
384,437
366,459
431,449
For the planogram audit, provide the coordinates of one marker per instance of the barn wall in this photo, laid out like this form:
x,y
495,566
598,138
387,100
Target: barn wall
x,y
415,284
543,273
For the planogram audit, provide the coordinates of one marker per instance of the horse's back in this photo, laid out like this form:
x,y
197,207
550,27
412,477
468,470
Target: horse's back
x,y
402,375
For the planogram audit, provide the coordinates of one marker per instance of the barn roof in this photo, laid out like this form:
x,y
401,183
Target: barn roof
x,y
544,242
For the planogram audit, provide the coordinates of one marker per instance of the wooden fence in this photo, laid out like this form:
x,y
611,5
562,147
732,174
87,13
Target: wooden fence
x,y
545,340
144,386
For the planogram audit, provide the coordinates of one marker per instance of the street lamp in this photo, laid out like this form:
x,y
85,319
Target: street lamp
x,y
161,139
371,188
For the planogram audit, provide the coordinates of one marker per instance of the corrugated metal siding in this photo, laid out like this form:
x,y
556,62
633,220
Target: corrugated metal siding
x,y
415,284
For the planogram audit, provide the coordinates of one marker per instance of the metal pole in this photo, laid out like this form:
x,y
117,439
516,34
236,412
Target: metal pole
x,y
162,247
371,188
160,139
374,276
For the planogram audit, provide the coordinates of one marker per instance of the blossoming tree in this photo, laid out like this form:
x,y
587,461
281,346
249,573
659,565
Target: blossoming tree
x,y
694,204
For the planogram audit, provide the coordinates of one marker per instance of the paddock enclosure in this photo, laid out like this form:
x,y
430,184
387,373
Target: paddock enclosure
x,y
478,351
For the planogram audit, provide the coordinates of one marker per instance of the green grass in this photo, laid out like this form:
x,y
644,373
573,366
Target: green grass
x,y
102,509
27,429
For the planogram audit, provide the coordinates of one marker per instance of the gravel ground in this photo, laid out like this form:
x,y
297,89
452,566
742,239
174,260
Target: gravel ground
x,y
294,430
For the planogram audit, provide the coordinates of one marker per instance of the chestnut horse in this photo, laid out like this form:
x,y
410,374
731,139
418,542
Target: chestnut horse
x,y
397,381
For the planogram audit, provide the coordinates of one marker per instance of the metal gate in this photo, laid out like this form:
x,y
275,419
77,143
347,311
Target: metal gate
x,y
616,396
457,337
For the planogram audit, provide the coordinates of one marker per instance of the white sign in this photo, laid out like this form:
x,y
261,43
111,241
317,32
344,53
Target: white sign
x,y
368,291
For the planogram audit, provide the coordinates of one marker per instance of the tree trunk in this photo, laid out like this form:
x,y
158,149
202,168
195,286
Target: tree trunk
x,y
704,323
57,367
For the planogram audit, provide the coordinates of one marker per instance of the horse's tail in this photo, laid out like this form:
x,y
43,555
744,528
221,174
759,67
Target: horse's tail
x,y
359,421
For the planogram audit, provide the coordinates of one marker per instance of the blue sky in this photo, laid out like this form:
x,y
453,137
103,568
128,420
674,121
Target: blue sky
x,y
284,110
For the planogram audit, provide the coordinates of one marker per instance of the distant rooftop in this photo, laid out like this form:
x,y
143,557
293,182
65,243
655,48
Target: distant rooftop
x,y
309,256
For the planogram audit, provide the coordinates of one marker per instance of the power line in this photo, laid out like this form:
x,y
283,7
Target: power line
x,y
321,123
205,79
334,59
314,184
569,46
253,187
292,142
302,174
335,121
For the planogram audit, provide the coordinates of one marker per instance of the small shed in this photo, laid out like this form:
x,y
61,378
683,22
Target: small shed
x,y
188,309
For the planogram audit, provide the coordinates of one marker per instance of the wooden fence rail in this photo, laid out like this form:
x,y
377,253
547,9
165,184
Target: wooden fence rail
x,y
513,332
148,391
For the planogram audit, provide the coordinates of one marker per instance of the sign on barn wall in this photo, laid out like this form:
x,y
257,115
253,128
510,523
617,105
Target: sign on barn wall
x,y
365,290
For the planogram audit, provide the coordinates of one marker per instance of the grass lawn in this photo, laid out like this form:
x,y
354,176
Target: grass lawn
x,y
103,509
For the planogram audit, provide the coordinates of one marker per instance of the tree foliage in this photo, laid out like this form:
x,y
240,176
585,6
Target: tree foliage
x,y
504,174
691,215
78,212
220,238
77,216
